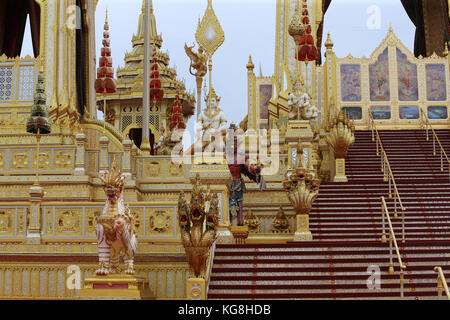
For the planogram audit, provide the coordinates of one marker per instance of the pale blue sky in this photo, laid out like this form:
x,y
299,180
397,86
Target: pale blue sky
x,y
249,27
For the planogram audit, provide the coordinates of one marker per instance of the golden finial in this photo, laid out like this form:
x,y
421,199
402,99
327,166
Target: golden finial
x,y
329,44
106,18
445,53
250,65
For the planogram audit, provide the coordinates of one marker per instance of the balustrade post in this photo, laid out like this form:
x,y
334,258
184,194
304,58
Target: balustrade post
x,y
104,163
402,283
126,169
34,228
439,285
403,226
434,145
391,264
395,206
383,235
80,168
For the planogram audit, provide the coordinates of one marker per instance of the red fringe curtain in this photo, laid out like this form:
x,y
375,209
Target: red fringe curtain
x,y
13,18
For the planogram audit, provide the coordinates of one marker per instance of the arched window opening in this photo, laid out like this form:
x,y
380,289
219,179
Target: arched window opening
x,y
13,21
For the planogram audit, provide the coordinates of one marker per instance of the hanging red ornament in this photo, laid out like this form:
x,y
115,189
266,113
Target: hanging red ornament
x,y
105,82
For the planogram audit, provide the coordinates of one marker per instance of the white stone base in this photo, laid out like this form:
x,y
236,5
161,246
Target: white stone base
x,y
340,179
303,236
224,236
33,237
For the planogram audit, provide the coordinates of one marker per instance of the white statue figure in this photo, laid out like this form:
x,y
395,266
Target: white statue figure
x,y
308,112
213,120
301,103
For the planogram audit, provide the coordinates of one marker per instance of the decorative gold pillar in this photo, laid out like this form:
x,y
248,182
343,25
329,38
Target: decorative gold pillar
x,y
196,289
34,228
104,163
80,169
126,164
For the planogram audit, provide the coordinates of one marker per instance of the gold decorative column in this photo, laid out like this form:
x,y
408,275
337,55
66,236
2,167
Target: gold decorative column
x,y
341,136
34,228
80,169
104,161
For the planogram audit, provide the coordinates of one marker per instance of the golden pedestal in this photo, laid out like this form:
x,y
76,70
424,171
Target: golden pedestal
x,y
302,233
240,233
340,171
116,286
196,289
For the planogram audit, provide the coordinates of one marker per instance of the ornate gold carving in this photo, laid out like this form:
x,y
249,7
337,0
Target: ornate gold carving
x,y
45,158
253,222
20,221
64,159
20,160
341,135
7,222
92,162
153,169
91,215
2,160
281,223
68,222
160,222
175,170
49,222
196,235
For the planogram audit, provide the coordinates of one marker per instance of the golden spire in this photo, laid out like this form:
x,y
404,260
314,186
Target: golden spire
x,y
329,44
106,17
250,65
445,53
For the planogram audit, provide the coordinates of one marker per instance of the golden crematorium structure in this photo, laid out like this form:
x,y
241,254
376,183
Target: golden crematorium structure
x,y
345,171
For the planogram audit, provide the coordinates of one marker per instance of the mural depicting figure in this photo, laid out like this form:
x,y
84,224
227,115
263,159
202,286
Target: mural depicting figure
x,y
407,79
379,78
436,84
265,94
351,82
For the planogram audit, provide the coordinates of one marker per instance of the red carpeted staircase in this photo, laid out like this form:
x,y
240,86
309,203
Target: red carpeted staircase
x,y
346,225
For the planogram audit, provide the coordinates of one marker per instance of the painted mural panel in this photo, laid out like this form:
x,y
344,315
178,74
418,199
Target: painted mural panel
x,y
436,84
354,113
265,94
408,89
408,113
381,113
350,82
437,112
379,78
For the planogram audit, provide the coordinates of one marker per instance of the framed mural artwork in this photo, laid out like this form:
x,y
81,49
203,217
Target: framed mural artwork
x,y
408,89
408,113
379,78
354,113
265,94
351,82
381,113
437,113
436,84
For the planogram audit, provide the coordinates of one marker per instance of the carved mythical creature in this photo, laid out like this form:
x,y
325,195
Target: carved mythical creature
x,y
198,225
198,61
281,223
115,231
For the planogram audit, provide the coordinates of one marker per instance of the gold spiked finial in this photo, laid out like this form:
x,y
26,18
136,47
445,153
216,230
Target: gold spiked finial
x,y
445,53
106,18
329,44
250,65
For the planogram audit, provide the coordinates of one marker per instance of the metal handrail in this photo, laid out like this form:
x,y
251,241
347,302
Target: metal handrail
x,y
442,283
392,240
424,119
209,266
388,175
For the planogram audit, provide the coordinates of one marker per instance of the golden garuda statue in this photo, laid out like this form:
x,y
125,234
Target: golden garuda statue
x,y
198,61
115,232
198,225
